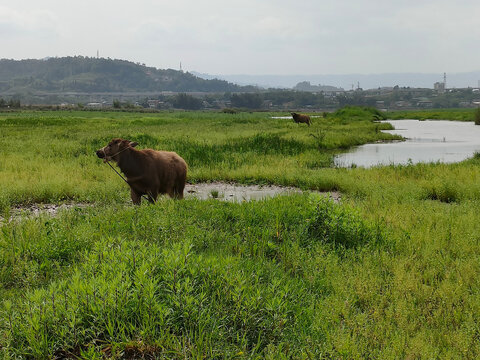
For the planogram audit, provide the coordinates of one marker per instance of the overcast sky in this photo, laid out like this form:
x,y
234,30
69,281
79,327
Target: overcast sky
x,y
251,36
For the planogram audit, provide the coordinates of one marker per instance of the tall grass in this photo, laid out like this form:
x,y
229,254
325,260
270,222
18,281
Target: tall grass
x,y
433,114
216,288
50,156
390,272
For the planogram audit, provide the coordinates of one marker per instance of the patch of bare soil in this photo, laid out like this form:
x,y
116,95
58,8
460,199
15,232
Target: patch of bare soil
x,y
37,209
203,191
239,193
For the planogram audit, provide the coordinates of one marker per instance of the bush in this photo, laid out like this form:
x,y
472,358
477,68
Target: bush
x,y
339,225
358,113
187,102
445,192
477,116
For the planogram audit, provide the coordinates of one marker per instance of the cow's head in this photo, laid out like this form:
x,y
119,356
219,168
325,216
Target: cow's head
x,y
114,148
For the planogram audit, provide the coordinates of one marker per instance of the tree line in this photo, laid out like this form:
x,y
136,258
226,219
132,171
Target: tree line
x,y
12,103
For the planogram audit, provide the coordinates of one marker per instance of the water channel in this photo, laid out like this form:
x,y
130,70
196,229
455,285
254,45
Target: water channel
x,y
426,141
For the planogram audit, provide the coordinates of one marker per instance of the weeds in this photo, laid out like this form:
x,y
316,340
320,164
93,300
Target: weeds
x,y
216,146
225,296
477,116
388,273
342,227
444,192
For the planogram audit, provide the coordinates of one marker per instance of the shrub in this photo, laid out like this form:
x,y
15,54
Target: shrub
x,y
445,192
229,111
477,116
340,225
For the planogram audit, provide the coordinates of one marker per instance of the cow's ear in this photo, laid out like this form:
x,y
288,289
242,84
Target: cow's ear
x,y
133,143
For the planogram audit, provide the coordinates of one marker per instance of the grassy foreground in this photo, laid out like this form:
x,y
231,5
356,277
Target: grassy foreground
x,y
391,272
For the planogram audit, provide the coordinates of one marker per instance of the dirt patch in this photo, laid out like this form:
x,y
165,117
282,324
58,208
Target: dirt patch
x,y
239,193
37,209
203,191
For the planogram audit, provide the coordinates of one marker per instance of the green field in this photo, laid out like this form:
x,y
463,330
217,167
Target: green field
x,y
390,272
434,114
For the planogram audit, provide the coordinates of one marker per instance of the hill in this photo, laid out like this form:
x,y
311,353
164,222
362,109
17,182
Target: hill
x,y
83,74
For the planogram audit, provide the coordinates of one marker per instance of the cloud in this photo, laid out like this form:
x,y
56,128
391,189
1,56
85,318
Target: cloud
x,y
253,36
32,24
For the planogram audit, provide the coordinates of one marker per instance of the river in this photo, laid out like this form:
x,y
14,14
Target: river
x,y
426,141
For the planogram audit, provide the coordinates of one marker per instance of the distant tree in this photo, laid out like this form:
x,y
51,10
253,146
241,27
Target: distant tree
x,y
13,103
187,102
116,104
249,101
144,102
304,98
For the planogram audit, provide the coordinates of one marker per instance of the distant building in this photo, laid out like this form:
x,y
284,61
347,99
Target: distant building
x,y
439,86
402,104
94,105
153,104
267,104
425,104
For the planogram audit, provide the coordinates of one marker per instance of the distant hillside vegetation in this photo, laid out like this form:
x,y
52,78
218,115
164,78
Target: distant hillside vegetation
x,y
83,74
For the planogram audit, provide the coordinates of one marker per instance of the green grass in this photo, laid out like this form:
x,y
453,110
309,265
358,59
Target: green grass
x,y
49,156
391,272
196,285
434,114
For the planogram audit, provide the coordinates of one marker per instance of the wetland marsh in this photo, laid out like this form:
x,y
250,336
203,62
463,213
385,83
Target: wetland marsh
x,y
389,272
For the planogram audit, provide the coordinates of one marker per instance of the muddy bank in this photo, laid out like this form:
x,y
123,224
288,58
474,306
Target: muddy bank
x,y
203,191
239,193
37,209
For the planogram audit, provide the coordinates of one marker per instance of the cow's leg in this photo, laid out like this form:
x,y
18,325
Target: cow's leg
x,y
136,197
178,193
152,198
174,194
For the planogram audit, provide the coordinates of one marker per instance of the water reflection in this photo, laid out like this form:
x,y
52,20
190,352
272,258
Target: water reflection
x,y
427,141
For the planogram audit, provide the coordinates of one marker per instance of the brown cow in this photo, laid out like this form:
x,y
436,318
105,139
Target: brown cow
x,y
148,172
299,118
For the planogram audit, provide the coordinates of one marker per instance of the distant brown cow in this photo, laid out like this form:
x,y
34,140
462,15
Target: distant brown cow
x,y
299,118
148,172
